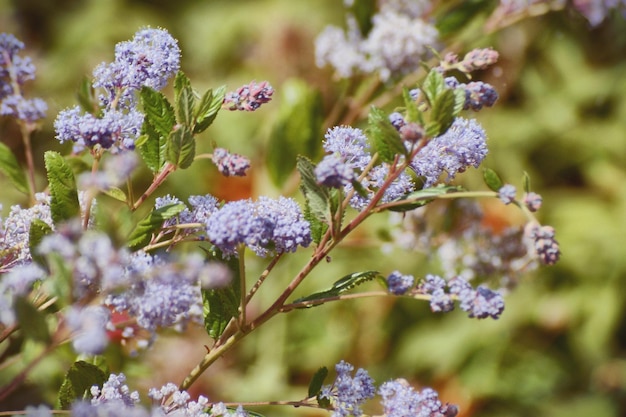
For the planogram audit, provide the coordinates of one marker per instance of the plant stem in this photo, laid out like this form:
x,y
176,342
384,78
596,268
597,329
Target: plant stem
x,y
158,180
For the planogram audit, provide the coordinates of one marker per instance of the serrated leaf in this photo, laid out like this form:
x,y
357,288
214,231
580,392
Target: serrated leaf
x,y
142,234
206,112
222,304
443,111
432,128
38,230
526,182
78,382
492,179
86,96
297,130
11,168
159,113
342,285
412,115
151,147
317,381
180,148
117,194
318,227
185,99
32,321
433,85
63,193
422,197
316,196
384,136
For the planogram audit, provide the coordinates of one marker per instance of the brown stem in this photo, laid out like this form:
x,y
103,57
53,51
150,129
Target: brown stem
x,y
167,170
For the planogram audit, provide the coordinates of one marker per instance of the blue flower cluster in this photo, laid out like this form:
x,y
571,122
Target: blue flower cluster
x,y
14,72
347,393
230,163
149,59
399,284
249,97
545,244
480,303
401,400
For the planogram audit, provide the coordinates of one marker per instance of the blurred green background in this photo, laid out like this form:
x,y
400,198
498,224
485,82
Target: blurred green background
x,y
560,347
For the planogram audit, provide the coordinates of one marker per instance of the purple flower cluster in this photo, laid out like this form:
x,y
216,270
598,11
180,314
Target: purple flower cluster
x,y
249,97
399,284
149,59
401,400
347,393
474,60
478,94
14,72
480,303
507,193
230,164
17,283
533,201
265,226
333,172
398,41
89,328
545,245
461,146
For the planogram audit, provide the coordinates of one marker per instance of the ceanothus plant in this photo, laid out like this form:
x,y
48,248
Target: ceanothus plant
x,y
61,270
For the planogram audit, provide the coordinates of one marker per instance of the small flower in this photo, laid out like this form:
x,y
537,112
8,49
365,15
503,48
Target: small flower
x,y
249,97
399,284
89,328
533,201
480,303
348,393
401,400
461,146
434,286
29,111
230,164
114,390
350,144
546,246
333,172
507,193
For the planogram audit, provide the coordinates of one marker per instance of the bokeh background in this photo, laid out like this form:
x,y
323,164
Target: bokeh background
x,y
560,347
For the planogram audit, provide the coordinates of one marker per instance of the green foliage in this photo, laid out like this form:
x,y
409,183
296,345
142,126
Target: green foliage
x,y
86,96
184,98
222,304
63,193
317,381
158,124
78,382
492,179
339,287
206,112
317,197
38,230
32,321
297,130
10,167
143,232
180,148
424,196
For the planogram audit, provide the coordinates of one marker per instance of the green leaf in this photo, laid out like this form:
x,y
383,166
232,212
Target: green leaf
x,y
151,147
78,382
433,85
413,115
180,148
445,110
422,197
317,381
339,287
526,182
384,136
117,194
38,230
363,11
185,99
432,128
63,194
222,304
86,96
159,113
10,167
316,196
142,234
318,227
492,179
297,130
206,112
32,321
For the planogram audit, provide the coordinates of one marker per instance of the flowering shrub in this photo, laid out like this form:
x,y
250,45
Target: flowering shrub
x,y
63,270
